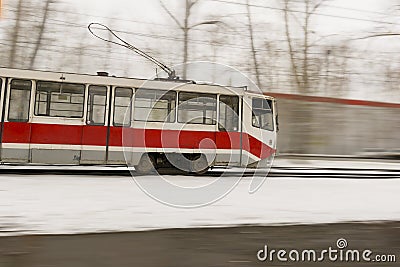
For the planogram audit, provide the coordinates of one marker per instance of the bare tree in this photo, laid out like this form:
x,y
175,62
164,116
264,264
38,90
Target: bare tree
x,y
300,59
26,37
15,34
334,69
392,77
388,66
186,27
271,59
253,49
216,39
39,38
80,52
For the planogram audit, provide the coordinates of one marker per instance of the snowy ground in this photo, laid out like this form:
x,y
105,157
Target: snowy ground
x,y
336,163
70,204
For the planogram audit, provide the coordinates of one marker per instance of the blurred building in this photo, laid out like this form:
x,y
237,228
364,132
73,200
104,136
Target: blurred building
x,y
332,126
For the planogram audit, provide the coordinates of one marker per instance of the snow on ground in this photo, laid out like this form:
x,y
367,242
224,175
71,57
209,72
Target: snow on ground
x,y
343,163
71,204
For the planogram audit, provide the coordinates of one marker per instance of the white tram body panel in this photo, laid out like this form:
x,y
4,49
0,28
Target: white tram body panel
x,y
64,118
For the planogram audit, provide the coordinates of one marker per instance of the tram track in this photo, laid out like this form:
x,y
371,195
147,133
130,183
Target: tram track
x,y
275,172
339,173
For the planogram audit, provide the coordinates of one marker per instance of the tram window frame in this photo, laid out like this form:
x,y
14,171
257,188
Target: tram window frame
x,y
68,94
93,91
259,109
203,96
234,106
26,112
115,106
153,103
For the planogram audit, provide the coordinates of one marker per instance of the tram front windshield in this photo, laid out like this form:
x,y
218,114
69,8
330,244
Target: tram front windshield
x,y
262,116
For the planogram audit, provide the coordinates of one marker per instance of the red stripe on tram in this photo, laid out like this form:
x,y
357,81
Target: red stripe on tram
x,y
35,133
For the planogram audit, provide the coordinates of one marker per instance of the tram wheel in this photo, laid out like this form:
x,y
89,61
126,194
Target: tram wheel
x,y
200,165
146,165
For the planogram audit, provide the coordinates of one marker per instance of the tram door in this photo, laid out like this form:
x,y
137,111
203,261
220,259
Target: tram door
x,y
16,128
228,135
120,121
95,130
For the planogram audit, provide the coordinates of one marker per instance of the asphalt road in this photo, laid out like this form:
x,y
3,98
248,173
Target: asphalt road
x,y
236,246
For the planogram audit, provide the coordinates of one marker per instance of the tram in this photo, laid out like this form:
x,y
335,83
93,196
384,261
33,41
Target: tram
x,y
80,119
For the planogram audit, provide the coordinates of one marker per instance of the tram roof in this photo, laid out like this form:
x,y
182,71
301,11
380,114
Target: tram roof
x,y
162,84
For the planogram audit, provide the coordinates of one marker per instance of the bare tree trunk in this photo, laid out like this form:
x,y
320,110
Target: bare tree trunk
x,y
40,35
15,35
343,67
305,83
253,50
290,45
186,27
327,83
272,61
301,61
80,57
186,38
107,55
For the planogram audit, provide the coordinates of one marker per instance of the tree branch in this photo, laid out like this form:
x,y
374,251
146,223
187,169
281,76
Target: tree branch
x,y
209,22
317,6
192,3
170,14
297,20
289,40
40,35
378,35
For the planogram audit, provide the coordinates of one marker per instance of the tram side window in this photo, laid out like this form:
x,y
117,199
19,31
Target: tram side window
x,y
262,114
122,106
20,95
97,105
155,105
197,108
228,113
57,99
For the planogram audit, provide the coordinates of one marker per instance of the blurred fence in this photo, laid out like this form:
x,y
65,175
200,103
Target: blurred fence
x,y
320,125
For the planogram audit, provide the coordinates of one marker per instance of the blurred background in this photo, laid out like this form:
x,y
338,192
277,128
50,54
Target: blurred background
x,y
293,49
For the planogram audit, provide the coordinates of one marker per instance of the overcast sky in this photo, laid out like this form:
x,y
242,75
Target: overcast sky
x,y
361,20
361,15
339,21
150,9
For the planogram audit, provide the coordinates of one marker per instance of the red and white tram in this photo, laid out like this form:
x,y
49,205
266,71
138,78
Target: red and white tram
x,y
63,118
